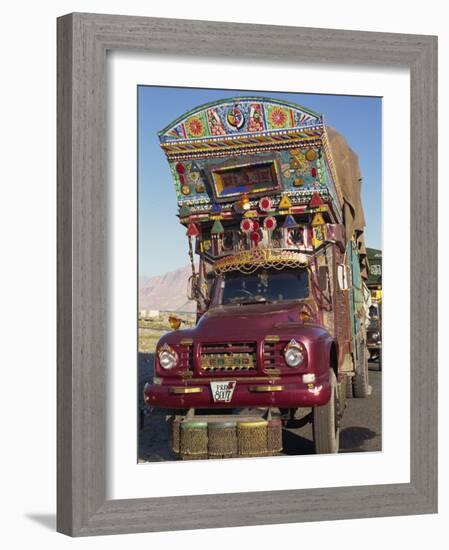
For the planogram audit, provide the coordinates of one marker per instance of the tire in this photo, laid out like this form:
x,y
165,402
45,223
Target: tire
x,y
326,433
342,388
349,392
360,381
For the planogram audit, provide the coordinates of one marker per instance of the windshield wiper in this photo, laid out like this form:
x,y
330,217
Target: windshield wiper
x,y
251,301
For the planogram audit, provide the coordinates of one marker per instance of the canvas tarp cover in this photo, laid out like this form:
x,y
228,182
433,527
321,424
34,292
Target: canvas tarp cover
x,y
350,183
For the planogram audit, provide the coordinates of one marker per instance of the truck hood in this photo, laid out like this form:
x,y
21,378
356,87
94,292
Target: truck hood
x,y
250,322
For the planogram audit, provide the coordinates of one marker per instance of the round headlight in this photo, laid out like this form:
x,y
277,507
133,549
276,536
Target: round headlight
x,y
375,335
293,356
168,358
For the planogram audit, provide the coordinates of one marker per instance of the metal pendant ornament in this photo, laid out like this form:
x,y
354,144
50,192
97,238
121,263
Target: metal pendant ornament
x,y
265,204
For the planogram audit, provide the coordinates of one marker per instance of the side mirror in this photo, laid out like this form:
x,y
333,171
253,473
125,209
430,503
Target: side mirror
x,y
197,289
192,287
342,276
323,276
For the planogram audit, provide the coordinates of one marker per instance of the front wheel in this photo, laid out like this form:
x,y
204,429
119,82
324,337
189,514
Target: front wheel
x,y
326,433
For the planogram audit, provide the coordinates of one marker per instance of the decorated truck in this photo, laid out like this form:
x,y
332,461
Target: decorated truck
x,y
270,199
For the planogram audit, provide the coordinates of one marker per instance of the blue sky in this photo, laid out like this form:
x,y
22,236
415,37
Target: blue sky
x,y
162,240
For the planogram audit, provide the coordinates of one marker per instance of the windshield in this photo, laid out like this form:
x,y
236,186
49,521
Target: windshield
x,y
264,285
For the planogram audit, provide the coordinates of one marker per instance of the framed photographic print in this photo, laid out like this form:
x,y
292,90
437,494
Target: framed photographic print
x,y
290,187
258,181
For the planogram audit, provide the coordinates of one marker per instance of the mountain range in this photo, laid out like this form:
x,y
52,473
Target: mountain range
x,y
167,292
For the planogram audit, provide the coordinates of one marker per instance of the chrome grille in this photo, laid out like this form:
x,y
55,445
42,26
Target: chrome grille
x,y
271,355
185,353
228,357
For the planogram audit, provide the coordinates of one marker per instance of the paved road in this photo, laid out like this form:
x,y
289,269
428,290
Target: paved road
x,y
360,430
361,424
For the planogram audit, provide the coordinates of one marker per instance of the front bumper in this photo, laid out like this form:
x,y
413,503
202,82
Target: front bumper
x,y
247,393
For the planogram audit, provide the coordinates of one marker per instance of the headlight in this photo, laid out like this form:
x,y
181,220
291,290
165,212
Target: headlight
x,y
293,354
168,358
375,335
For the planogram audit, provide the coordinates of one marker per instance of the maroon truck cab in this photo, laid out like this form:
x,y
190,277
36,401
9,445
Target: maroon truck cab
x,y
245,346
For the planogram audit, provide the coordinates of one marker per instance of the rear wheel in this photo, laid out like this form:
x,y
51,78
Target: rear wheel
x,y
349,392
325,422
360,382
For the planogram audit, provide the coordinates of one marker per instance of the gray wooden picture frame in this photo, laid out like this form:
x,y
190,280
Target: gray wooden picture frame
x,y
83,41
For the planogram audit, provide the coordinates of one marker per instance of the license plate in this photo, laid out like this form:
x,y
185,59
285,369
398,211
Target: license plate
x,y
222,391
